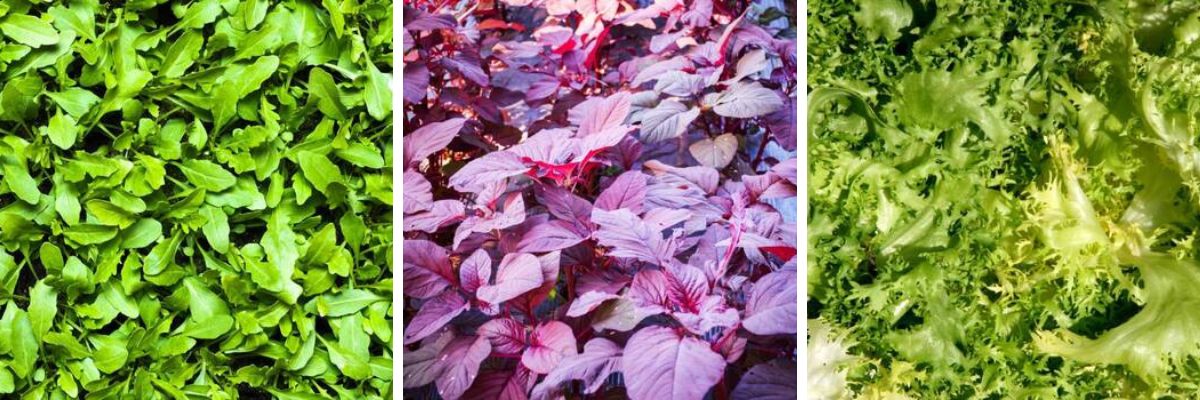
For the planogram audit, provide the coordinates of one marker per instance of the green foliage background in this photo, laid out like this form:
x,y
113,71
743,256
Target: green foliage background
x,y
195,199
1004,198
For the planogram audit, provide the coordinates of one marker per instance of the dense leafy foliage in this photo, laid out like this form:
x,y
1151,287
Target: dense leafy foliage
x,y
599,199
1004,199
195,199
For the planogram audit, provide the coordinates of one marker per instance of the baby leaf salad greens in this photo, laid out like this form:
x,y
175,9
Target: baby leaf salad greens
x,y
1005,199
195,199
599,199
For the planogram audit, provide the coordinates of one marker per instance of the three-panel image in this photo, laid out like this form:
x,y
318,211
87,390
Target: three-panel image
x,y
599,199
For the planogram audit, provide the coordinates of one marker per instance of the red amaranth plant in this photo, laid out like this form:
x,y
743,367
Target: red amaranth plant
x,y
599,199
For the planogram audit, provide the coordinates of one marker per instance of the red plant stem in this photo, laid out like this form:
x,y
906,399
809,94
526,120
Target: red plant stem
x,y
570,282
722,392
734,238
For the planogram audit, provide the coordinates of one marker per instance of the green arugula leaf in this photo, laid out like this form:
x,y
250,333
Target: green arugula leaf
x,y
182,54
141,234
28,30
319,171
75,101
325,92
207,175
21,183
347,302
24,344
43,307
62,131
377,94
158,219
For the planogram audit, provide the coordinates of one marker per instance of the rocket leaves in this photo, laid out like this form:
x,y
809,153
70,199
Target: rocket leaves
x,y
195,199
28,30
207,175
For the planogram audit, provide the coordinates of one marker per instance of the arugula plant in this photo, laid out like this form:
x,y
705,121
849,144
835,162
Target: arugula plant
x,y
195,199
599,199
1004,199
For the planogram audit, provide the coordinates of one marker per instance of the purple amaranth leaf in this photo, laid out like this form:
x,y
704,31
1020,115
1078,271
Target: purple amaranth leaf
x,y
669,120
550,146
772,306
686,287
441,213
662,42
649,291
549,264
768,186
548,345
754,35
699,14
406,41
775,380
598,141
417,20
505,334
433,315
680,84
430,139
511,237
782,124
604,9
518,273
598,114
705,178
619,315
744,100
512,214
517,80
672,192
516,54
566,206
459,365
427,270
627,191
607,281
755,244
663,218
786,169
555,235
416,82
587,302
475,271
708,254
659,364
600,358
712,312
653,71
722,44
643,15
420,366
715,152
467,63
489,169
417,192
502,384
731,345
628,236
554,36
542,89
